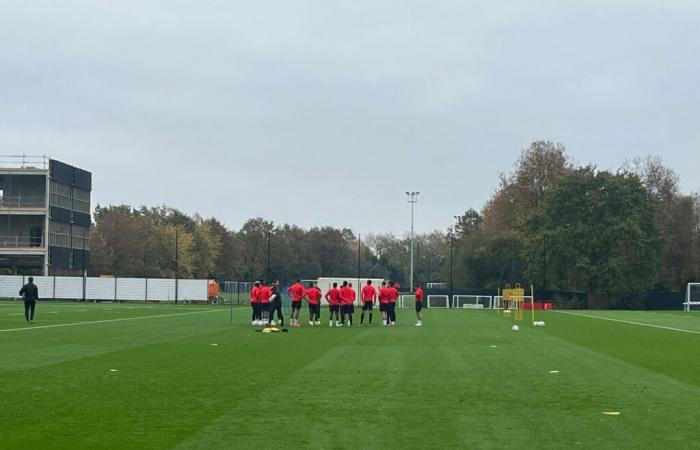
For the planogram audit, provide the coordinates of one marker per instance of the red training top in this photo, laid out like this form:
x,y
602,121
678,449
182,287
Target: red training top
x,y
333,296
347,295
394,294
419,294
369,293
296,291
314,295
384,295
254,294
264,294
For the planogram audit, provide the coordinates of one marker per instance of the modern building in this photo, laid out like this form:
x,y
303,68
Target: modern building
x,y
44,217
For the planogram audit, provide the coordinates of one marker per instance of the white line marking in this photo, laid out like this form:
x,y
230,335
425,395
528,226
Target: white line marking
x,y
630,322
9,330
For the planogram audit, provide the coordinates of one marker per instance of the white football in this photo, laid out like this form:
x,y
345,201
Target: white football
x,y
516,328
542,324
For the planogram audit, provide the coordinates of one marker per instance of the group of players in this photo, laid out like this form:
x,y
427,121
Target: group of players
x,y
267,299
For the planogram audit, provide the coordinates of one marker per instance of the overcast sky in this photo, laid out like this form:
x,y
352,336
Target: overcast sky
x,y
326,112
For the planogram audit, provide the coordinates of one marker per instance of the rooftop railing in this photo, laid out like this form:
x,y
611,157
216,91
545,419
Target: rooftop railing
x,y
24,162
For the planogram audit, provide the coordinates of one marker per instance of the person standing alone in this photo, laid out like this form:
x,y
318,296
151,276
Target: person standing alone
x,y
419,305
30,293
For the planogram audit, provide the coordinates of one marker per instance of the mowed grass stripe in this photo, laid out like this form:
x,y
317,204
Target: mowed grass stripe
x,y
93,322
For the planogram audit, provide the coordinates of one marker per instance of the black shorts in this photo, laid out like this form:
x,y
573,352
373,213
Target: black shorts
x,y
367,306
264,307
383,307
334,308
348,309
419,306
296,304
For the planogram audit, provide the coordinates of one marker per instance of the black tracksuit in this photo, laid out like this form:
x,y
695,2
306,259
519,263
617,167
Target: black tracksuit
x,y
276,305
31,294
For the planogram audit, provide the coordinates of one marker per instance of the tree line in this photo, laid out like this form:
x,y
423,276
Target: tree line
x,y
553,223
163,242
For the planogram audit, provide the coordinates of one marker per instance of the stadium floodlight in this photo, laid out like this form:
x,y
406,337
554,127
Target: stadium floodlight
x,y
412,198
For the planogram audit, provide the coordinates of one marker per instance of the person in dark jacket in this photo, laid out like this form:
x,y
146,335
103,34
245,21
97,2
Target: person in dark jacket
x,y
30,293
276,303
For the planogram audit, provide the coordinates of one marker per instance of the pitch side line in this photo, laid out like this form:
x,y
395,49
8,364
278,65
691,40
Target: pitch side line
x,y
9,330
630,322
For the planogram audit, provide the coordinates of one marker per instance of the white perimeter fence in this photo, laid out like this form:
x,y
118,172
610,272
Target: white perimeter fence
x,y
109,289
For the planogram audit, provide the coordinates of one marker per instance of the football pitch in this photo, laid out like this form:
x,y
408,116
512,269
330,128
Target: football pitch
x,y
185,377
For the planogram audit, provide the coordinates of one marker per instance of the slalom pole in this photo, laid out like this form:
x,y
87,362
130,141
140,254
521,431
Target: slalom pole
x,y
532,301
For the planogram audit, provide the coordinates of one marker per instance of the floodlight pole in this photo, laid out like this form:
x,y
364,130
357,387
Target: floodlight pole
x,y
177,265
412,198
269,242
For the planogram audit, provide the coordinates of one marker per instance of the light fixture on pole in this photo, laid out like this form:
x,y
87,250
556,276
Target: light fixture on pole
x,y
412,198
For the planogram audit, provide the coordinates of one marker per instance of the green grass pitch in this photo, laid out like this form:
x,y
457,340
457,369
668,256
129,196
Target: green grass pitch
x,y
184,377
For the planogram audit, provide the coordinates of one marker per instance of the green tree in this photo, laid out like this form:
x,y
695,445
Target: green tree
x,y
600,232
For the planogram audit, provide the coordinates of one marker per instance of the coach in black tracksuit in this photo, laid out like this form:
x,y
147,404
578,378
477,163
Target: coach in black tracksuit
x,y
276,303
31,294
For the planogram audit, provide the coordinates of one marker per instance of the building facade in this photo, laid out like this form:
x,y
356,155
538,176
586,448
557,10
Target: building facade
x,y
44,217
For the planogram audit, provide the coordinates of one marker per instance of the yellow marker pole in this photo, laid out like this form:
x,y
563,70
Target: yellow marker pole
x,y
532,301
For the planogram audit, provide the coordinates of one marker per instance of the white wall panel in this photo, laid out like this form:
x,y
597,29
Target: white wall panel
x,y
99,289
45,286
10,286
68,288
193,290
161,290
133,289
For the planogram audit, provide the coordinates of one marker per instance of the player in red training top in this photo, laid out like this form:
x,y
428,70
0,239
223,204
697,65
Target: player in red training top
x,y
264,294
313,297
384,296
255,304
345,304
369,298
391,309
333,299
296,291
419,305
353,297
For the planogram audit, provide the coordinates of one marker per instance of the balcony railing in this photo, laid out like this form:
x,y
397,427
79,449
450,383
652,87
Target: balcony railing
x,y
22,201
17,241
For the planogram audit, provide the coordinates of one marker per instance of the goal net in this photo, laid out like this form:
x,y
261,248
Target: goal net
x,y
472,301
407,301
692,297
438,301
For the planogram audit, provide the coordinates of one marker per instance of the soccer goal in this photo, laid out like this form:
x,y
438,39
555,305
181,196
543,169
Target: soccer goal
x,y
692,297
472,301
407,301
438,301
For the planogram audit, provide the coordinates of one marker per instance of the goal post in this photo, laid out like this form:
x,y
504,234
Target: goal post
x,y
692,297
438,301
472,301
407,301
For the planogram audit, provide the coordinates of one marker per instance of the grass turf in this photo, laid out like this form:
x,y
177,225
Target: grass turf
x,y
150,377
